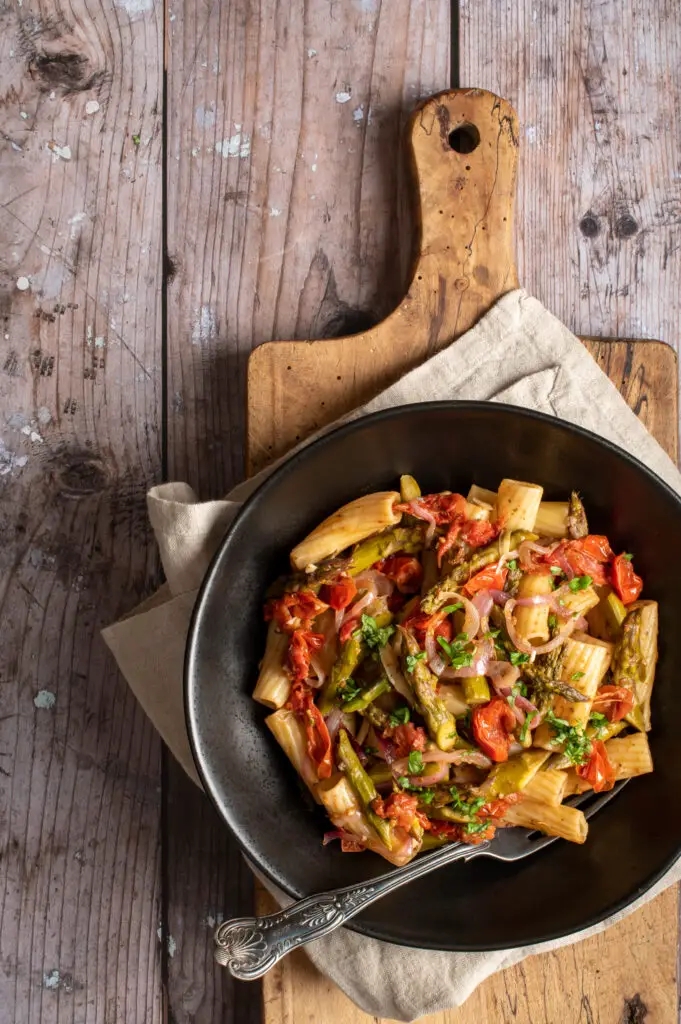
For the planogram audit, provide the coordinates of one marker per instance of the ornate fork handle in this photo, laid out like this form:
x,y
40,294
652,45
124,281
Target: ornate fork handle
x,y
250,946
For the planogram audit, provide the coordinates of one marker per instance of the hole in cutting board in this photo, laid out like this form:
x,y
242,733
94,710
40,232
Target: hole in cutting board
x,y
464,139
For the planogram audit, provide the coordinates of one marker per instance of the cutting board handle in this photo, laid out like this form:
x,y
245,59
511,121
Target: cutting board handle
x,y
464,145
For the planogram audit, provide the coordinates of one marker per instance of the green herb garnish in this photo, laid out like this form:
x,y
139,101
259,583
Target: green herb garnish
x,y
627,555
580,583
599,722
467,807
456,651
136,139
400,716
576,744
513,564
575,676
450,608
349,691
474,827
426,795
525,726
415,763
412,659
556,570
518,658
373,635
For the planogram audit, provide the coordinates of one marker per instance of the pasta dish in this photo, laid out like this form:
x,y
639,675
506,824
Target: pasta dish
x,y
439,666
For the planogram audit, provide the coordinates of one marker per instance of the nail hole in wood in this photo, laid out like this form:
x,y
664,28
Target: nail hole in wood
x,y
464,139
420,277
468,167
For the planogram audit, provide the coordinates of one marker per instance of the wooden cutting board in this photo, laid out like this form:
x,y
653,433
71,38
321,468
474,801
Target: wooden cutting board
x,y
464,146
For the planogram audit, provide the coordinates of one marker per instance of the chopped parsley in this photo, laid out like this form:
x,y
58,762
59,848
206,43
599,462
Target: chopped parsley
x,y
473,827
400,716
513,564
456,651
553,621
492,634
450,608
412,659
415,763
373,635
371,751
627,555
467,807
575,676
518,658
349,691
426,795
465,719
599,722
580,583
556,570
576,744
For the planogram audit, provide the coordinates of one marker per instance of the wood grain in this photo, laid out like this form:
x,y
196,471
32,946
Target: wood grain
x,y
287,217
79,445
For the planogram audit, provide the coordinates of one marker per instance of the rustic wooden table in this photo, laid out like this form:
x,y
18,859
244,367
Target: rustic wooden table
x,y
181,182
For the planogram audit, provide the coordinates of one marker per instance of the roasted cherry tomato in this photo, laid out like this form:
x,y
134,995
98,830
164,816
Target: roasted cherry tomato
x,y
498,808
598,770
302,643
586,557
301,701
492,725
615,702
489,578
625,581
399,807
477,532
340,593
406,738
441,507
295,611
404,570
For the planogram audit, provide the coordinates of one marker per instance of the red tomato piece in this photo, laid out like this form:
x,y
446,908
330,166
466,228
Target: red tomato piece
x,y
340,593
498,808
625,581
295,611
586,557
478,532
457,833
399,807
492,725
489,578
406,738
443,507
418,623
300,645
615,702
318,740
404,570
598,770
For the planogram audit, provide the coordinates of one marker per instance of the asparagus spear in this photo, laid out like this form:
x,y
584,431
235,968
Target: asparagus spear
x,y
577,522
373,549
462,573
364,788
362,701
634,658
351,654
440,723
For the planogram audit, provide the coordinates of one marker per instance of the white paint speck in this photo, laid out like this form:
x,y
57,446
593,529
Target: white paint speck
x,y
311,53
172,17
91,107
44,415
52,94
23,284
134,8
204,328
531,134
100,342
274,212
46,700
204,117
24,115
238,145
172,945
343,97
213,920
313,167
52,979
88,334
358,113
58,152
32,434
195,151
9,460
77,218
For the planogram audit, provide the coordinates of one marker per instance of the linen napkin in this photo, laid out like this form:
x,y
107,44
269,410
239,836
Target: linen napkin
x,y
517,354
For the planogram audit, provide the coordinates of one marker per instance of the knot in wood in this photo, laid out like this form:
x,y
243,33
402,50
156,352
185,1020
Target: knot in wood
x,y
82,475
626,226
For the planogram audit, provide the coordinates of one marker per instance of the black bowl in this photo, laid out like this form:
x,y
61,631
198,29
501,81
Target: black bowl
x,y
484,904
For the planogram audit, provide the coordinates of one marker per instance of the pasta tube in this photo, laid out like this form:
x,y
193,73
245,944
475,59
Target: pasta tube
x,y
552,519
566,822
482,495
350,524
583,665
548,787
345,811
581,601
635,659
518,504
289,733
273,685
532,622
629,756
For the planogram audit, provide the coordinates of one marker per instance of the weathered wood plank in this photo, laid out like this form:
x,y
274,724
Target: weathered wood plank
x,y
284,122
599,188
79,445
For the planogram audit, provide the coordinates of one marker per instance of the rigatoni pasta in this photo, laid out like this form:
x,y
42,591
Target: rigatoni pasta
x,y
441,666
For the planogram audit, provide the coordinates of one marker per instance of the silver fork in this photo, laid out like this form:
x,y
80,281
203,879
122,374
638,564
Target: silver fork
x,y
251,946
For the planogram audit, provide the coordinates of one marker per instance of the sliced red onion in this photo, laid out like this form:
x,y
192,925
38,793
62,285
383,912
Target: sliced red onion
x,y
339,833
354,611
377,582
507,557
475,757
526,548
524,703
394,674
363,730
483,602
386,748
441,775
338,621
524,645
333,722
435,661
318,668
359,750
559,557
499,597
421,512
534,601
515,748
503,674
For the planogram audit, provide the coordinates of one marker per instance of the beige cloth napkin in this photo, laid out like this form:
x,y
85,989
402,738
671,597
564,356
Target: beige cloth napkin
x,y
518,354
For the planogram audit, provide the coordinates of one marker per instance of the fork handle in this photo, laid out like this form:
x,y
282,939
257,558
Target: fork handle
x,y
249,946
